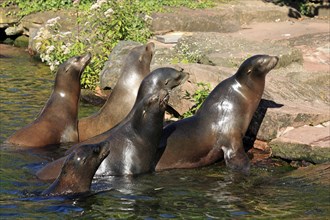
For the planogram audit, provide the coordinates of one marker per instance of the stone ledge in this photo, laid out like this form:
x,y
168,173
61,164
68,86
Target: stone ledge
x,y
309,143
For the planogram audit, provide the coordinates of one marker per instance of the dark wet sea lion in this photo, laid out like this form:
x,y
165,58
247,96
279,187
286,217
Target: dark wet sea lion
x,y
218,127
159,79
57,122
122,98
78,170
134,142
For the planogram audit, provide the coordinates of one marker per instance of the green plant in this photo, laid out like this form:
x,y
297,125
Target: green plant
x,y
187,54
100,29
100,26
198,97
27,6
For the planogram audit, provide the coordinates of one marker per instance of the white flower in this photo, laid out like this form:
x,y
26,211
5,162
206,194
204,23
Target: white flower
x,y
51,22
38,45
52,67
44,57
98,4
66,33
147,17
66,51
63,47
108,12
50,49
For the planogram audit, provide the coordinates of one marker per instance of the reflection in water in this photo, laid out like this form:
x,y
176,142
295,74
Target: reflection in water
x,y
207,193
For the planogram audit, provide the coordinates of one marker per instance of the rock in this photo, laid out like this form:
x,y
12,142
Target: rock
x,y
183,19
111,70
197,73
315,50
88,96
33,31
301,98
226,17
317,174
323,11
14,30
8,41
223,50
309,143
68,19
8,16
169,38
21,41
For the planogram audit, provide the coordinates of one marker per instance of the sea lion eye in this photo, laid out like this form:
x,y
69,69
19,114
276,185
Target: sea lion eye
x,y
249,71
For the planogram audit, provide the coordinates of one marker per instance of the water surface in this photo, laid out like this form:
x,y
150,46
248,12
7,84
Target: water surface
x,y
206,193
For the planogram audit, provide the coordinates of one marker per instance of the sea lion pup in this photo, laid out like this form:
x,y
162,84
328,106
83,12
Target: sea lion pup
x,y
122,98
57,122
160,79
78,170
218,127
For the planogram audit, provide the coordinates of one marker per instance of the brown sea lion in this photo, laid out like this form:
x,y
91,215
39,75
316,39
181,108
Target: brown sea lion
x,y
218,127
78,170
57,122
159,79
122,98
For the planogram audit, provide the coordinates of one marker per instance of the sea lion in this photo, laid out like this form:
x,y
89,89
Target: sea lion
x,y
57,121
122,98
159,79
218,127
78,170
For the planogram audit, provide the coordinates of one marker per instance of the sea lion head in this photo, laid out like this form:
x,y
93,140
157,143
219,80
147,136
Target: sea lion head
x,y
83,162
257,66
73,67
141,57
150,111
164,78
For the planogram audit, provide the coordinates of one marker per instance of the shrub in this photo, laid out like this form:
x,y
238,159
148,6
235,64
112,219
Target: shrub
x,y
100,26
198,97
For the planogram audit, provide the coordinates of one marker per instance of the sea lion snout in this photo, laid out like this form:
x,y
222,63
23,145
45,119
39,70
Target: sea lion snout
x,y
273,62
85,59
269,62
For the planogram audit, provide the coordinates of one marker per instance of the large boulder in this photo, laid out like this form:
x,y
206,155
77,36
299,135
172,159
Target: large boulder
x,y
8,16
224,50
309,143
112,68
225,17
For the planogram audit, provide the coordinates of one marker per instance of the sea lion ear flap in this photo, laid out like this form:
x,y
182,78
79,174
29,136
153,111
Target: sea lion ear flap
x,y
150,46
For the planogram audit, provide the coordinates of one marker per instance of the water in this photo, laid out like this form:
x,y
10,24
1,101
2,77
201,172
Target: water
x,y
206,193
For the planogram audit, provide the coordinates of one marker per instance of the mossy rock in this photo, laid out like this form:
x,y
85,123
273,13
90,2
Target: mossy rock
x,y
8,41
21,41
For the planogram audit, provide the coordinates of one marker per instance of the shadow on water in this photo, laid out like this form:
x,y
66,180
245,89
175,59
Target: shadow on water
x,y
206,193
